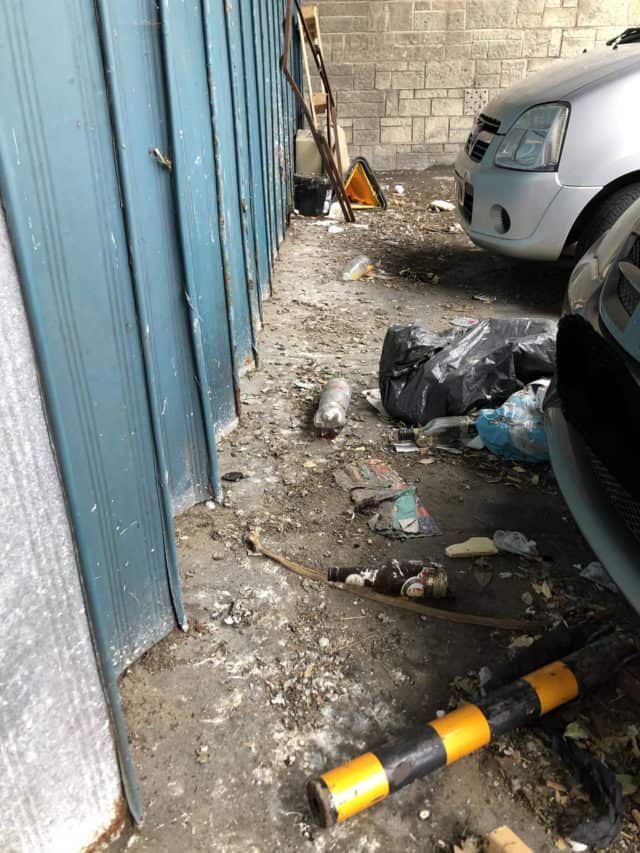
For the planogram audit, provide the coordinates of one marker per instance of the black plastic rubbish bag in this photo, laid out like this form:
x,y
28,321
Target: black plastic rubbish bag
x,y
425,375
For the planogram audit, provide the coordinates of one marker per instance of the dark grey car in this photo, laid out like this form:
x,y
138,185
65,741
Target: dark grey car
x,y
593,406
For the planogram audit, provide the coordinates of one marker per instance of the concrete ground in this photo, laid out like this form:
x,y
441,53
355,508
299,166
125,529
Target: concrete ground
x,y
281,678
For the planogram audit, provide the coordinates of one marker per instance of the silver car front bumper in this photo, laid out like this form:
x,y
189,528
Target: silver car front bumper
x,y
541,210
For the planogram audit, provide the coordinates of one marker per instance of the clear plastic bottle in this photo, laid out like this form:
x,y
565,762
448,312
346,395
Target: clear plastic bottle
x,y
357,268
332,408
454,431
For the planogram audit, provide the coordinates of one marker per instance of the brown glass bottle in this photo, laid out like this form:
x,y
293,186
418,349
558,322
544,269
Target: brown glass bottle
x,y
411,578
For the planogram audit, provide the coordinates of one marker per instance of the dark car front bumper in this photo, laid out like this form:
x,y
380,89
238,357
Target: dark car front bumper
x,y
588,427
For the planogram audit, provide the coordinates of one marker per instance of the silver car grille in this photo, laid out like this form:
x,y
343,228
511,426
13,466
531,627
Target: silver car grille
x,y
481,136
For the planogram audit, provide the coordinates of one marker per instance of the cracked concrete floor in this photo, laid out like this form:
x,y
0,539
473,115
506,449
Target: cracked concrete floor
x,y
281,678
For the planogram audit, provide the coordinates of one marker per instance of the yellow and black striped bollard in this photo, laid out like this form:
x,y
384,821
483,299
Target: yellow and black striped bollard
x,y
361,783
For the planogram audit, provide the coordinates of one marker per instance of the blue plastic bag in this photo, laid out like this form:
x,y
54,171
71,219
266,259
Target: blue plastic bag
x,y
515,430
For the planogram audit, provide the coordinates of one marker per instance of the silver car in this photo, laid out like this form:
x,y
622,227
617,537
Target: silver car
x,y
592,408
553,161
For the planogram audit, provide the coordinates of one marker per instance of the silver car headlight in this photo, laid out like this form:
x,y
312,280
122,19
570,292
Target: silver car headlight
x,y
534,143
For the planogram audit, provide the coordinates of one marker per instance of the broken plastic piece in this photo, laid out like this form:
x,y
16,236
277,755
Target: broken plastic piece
x,y
334,402
597,573
440,206
363,190
477,546
514,542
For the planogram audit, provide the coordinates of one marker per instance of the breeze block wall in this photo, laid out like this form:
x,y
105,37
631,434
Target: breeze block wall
x,y
409,75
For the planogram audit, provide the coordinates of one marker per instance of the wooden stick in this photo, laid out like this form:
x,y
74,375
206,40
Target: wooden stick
x,y
253,540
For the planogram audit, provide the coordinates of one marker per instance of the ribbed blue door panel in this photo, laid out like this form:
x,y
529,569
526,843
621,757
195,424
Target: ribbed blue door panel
x,y
59,186
198,202
237,264
253,120
133,62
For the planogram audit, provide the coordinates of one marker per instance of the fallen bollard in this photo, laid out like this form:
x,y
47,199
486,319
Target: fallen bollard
x,y
368,779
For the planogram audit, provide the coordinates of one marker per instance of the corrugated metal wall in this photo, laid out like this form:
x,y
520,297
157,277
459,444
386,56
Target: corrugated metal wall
x,y
145,167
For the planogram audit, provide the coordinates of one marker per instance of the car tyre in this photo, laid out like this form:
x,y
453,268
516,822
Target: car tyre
x,y
605,215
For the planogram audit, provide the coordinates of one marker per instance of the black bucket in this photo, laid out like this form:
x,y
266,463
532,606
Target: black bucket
x,y
310,194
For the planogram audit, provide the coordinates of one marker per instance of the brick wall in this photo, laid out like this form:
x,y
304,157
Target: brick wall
x,y
410,74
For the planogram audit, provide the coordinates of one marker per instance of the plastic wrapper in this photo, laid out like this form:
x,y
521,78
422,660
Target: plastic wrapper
x,y
515,430
425,376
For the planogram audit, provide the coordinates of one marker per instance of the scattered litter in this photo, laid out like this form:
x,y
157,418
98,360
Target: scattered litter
x,y
425,375
456,228
483,297
335,229
358,268
522,642
630,784
233,476
514,542
331,415
527,599
335,212
373,398
543,589
597,573
440,206
375,485
483,577
476,546
210,504
602,786
471,844
576,731
406,446
464,322
399,189
476,443
324,642
202,754
408,578
426,461
425,814
504,840
515,430
453,432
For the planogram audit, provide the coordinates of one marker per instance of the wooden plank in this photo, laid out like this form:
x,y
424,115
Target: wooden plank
x,y
320,102
308,88
310,15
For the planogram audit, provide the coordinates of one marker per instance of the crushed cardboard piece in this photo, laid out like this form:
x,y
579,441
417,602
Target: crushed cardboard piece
x,y
399,511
